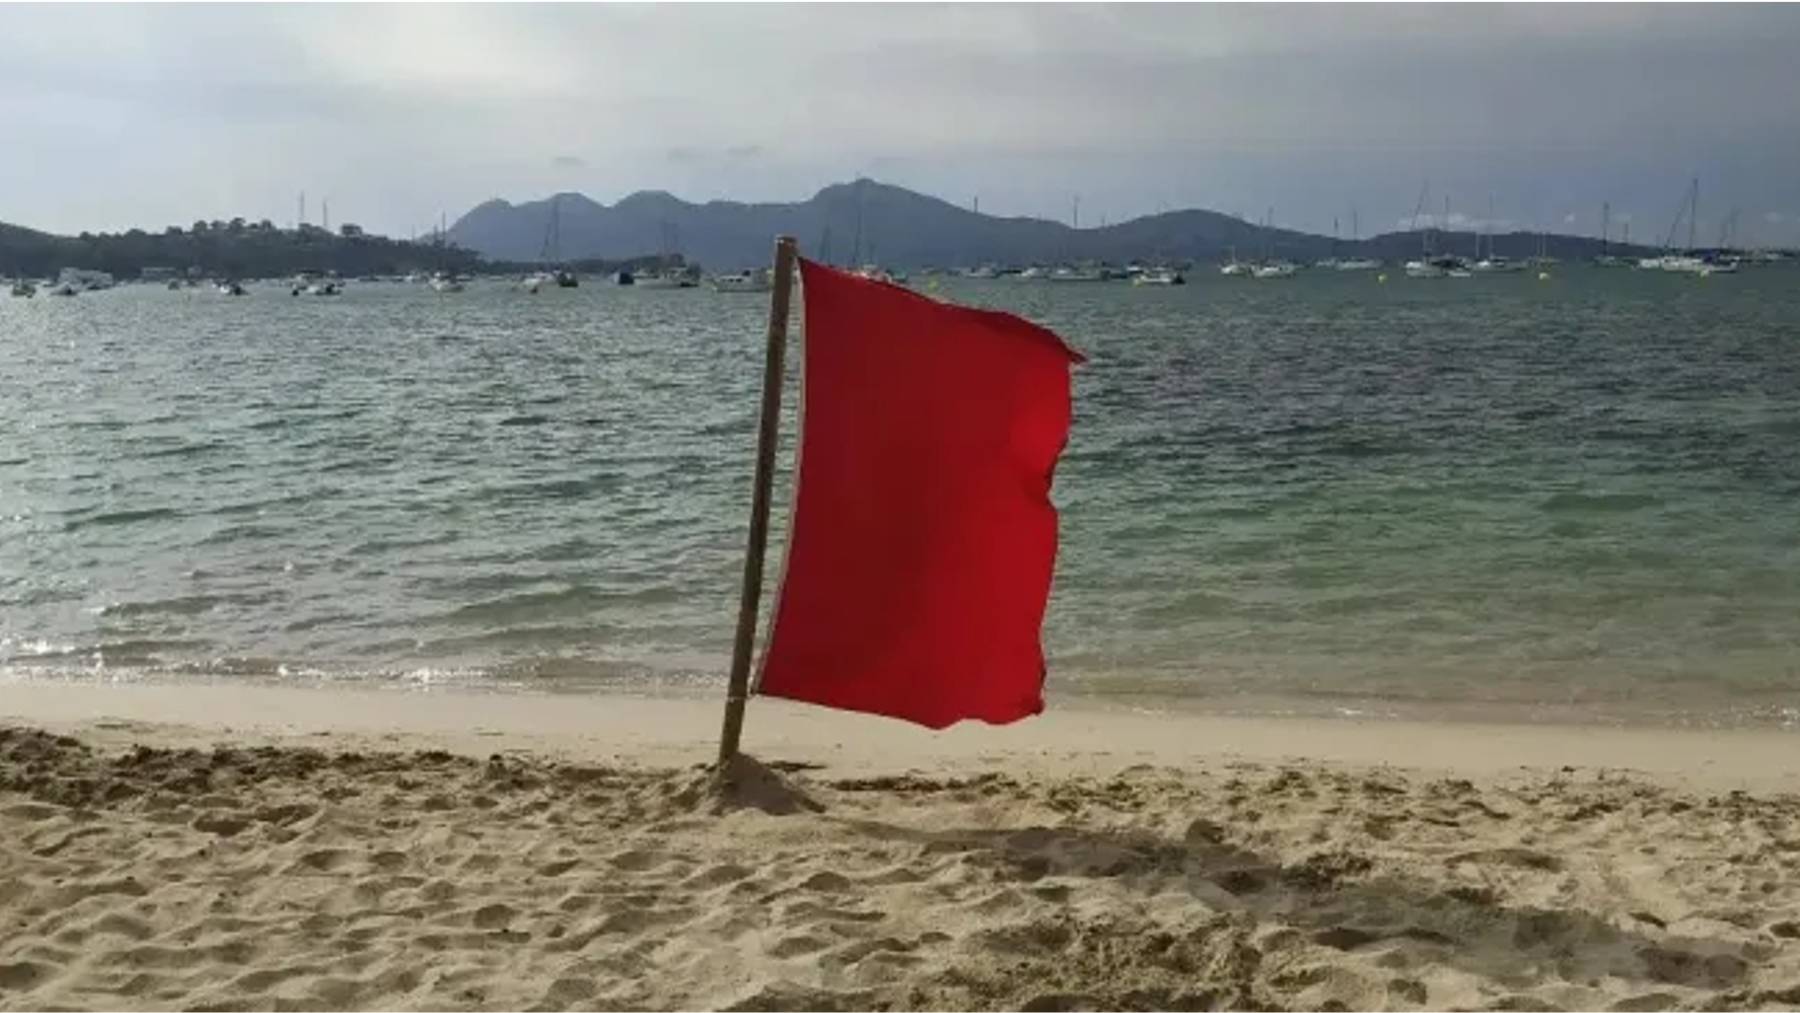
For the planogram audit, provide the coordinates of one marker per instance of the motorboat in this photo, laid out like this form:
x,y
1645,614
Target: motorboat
x,y
23,289
1159,276
742,281
1492,264
684,278
443,282
1277,269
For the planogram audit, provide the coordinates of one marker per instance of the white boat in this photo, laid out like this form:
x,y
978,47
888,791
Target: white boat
x,y
442,282
1278,269
83,280
1497,265
1159,276
1033,274
686,277
1358,264
982,273
1235,268
742,281
881,274
1066,273
24,289
228,288
532,283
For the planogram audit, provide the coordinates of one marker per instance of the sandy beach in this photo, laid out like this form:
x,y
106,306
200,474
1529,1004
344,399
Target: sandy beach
x,y
215,846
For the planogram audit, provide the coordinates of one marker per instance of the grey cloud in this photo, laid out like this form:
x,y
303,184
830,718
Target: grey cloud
x,y
1551,110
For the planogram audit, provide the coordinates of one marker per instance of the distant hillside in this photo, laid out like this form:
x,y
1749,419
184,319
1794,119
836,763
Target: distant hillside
x,y
871,221
235,249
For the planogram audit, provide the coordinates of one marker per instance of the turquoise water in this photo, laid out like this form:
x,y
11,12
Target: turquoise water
x,y
1574,497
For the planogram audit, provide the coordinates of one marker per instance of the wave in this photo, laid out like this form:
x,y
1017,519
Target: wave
x,y
1577,502
116,517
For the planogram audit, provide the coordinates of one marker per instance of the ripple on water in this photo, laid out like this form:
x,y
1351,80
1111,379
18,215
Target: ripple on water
x,y
1331,490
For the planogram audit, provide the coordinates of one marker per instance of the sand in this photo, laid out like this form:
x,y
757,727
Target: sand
x,y
181,847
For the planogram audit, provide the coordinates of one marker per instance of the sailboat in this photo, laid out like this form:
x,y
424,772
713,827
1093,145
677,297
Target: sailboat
x,y
1687,262
1492,263
1432,264
1270,267
1356,263
551,253
1606,257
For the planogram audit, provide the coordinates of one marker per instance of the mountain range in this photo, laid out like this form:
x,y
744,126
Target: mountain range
x,y
870,222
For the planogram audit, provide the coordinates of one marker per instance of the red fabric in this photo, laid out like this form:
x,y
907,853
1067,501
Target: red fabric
x,y
923,539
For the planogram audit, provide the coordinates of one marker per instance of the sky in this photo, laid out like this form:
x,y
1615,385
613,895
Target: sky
x,y
1522,116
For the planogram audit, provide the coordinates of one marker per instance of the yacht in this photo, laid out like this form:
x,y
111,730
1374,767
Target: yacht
x,y
1493,264
1358,264
1235,268
881,274
1067,273
442,282
742,281
1438,267
1159,276
685,277
228,288
983,273
1033,273
1276,269
24,289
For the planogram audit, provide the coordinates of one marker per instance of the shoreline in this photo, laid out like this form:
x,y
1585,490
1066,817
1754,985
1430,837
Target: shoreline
x,y
1075,735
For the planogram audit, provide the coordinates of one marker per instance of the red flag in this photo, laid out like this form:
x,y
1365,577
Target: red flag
x,y
923,538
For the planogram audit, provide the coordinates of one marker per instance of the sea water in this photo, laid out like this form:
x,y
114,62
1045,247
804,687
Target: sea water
x,y
1574,497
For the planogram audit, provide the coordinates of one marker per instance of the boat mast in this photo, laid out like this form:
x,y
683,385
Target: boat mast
x,y
1605,226
1418,209
1693,211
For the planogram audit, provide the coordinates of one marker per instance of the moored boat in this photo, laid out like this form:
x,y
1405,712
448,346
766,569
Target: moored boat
x,y
742,281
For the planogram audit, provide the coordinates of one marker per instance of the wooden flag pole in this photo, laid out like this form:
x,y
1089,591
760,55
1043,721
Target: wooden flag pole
x,y
738,689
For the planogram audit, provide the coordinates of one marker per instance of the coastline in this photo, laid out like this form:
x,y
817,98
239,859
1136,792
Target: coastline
x,y
1075,735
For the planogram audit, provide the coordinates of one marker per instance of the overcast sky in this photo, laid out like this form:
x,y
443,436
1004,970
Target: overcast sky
x,y
114,117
